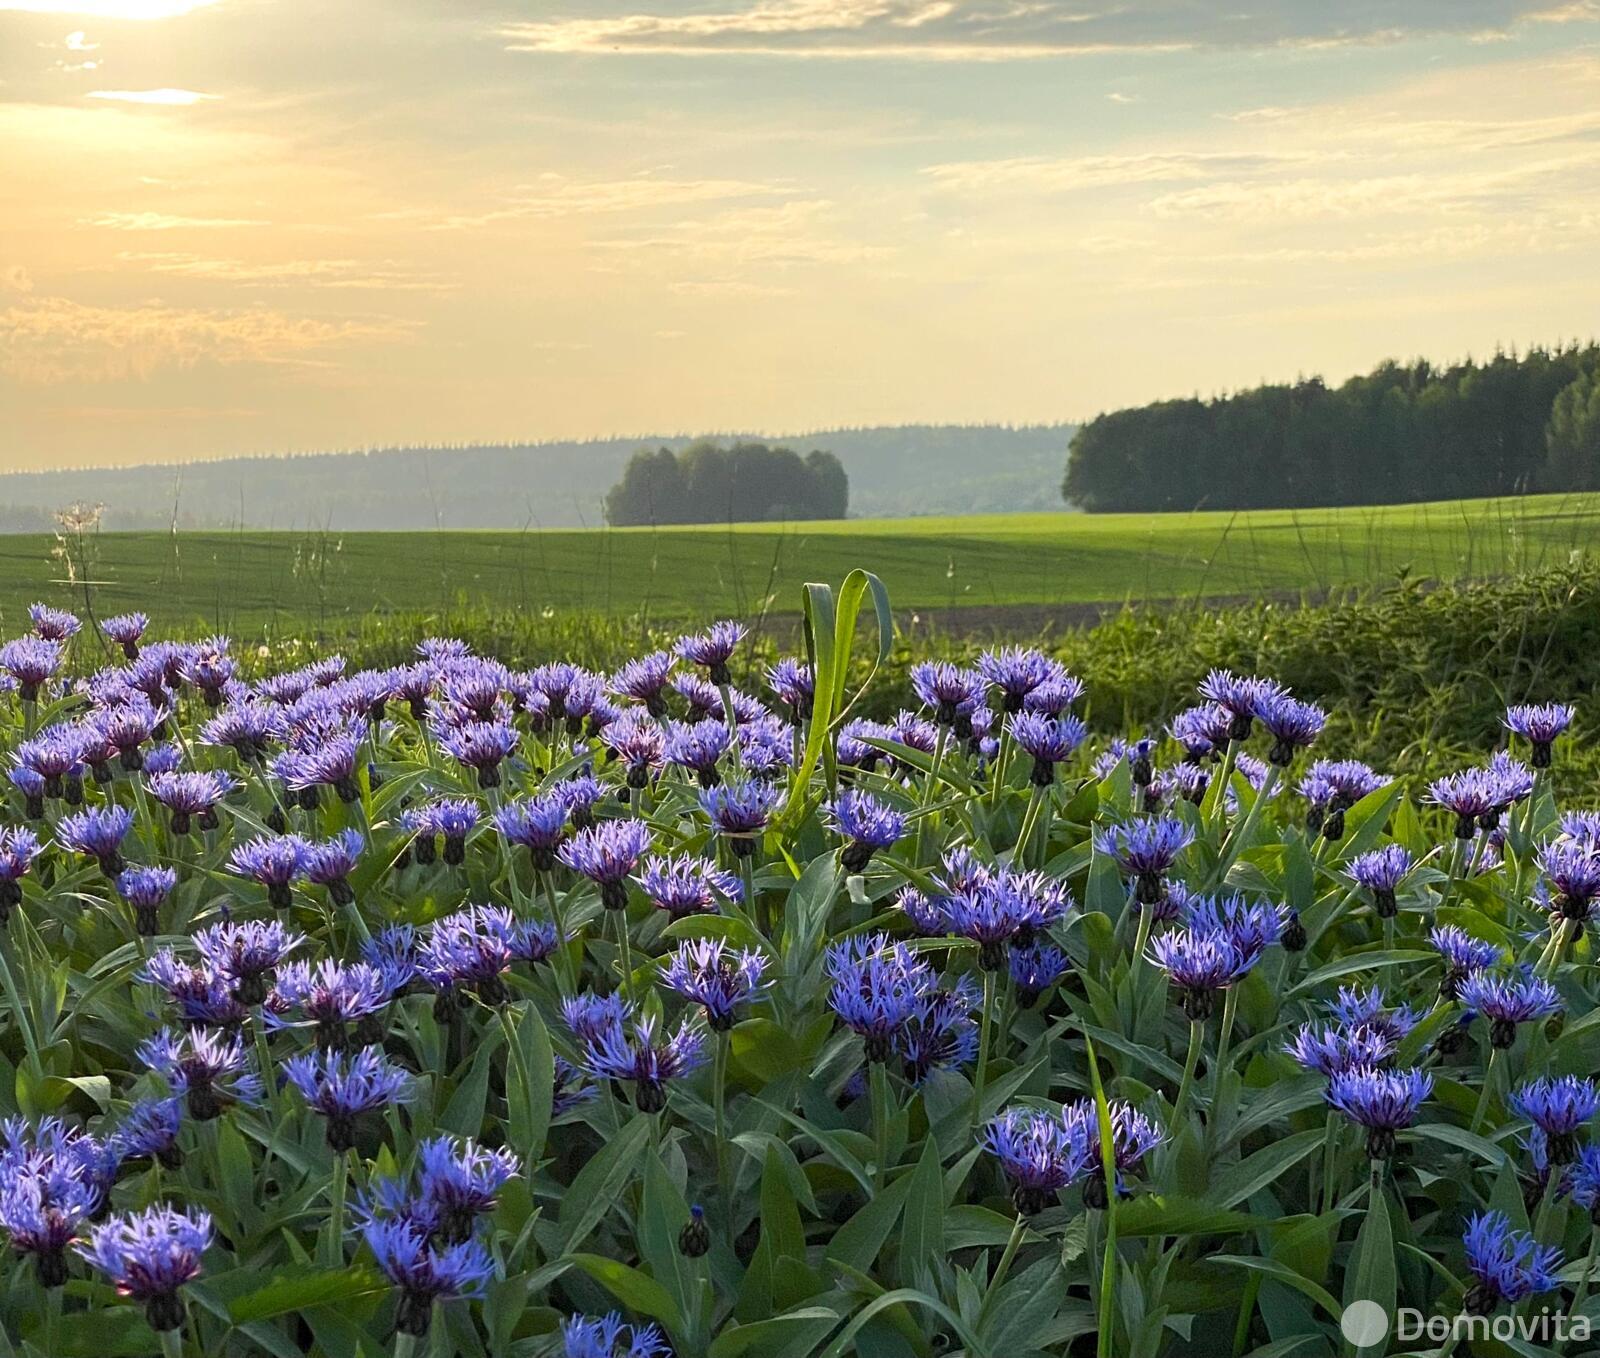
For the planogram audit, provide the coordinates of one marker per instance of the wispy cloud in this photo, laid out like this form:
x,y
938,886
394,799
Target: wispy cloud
x,y
1046,174
109,9
556,196
175,98
1013,29
53,339
166,221
355,274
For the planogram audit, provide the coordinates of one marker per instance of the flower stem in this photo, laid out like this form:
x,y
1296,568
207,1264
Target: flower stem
x,y
1236,841
1483,1094
1018,1229
1146,915
1588,1268
928,789
1019,854
719,1085
880,1120
336,1194
172,1343
1197,1034
625,952
984,1022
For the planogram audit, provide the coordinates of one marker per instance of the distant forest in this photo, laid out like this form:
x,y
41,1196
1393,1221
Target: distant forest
x,y
1402,432
894,472
749,482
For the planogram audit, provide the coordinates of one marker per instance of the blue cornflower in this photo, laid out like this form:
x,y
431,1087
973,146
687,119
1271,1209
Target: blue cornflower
x,y
244,952
126,629
927,914
274,862
569,1089
698,746
97,833
342,1088
53,624
1200,963
1048,741
1507,1001
715,976
1040,1153
1462,956
329,762
459,1181
851,746
208,666
590,1015
867,823
127,726
607,1337
1016,672
1240,696
1510,781
149,1255
1144,850
425,1270
1034,969
643,1058
876,988
740,811
581,794
684,885
328,994
607,854
44,1203
481,745
474,948
1370,1009
1583,1181
146,889
712,649
639,742
1381,871
1331,1050
1574,871
210,1070
1558,1107
31,784
538,824
1332,787
1139,755
453,819
56,755
766,748
795,684
1133,1136
1054,696
19,846
1507,1265
150,1132
1470,795
330,862
192,798
1540,724
31,661
1202,730
163,759
1292,724
202,996
940,1033
950,691
645,680
1382,1101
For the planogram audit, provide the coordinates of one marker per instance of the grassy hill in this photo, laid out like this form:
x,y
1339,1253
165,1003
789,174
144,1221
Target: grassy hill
x,y
245,581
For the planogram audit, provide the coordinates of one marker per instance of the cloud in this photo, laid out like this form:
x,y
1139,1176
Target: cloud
x,y
389,275
15,278
109,9
556,196
79,42
791,234
1012,29
1046,174
175,98
52,339
163,221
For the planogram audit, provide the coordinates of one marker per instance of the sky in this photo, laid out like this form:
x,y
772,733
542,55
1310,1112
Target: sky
x,y
258,226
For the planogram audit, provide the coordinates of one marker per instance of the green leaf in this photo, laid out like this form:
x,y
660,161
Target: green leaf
x,y
1173,1214
296,1287
780,1214
774,1334
1283,1274
635,1290
1266,1166
1372,1274
1361,961
600,1182
120,1332
529,1084
922,1230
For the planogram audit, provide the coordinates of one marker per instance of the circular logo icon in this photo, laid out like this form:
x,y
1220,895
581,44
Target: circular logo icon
x,y
1364,1323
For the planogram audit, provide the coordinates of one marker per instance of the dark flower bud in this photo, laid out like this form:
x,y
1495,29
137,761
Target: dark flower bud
x,y
695,1238
1294,938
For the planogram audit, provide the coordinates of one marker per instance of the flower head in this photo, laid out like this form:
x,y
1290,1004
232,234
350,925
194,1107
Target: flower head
x,y
685,885
1333,1050
1382,1101
209,1069
31,661
150,1132
715,976
867,823
633,1051
1507,1265
330,862
1462,956
1381,871
1540,724
607,1337
1507,1001
149,1255
330,995
53,624
97,833
146,889
876,987
645,680
1034,969
1040,1153
341,1088
126,629
950,691
425,1270
1048,741
1144,850
192,798
713,648
1559,1107
273,861
607,853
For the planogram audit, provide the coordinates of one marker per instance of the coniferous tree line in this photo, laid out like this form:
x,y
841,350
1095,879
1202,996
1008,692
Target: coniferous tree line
x,y
747,482
1403,432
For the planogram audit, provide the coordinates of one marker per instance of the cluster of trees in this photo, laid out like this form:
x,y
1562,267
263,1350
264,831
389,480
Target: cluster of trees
x,y
1402,432
743,483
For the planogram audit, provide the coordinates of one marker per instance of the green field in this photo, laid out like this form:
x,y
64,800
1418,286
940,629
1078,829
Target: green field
x,y
245,581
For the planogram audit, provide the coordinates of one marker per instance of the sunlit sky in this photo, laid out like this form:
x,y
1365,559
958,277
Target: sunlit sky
x,y
260,226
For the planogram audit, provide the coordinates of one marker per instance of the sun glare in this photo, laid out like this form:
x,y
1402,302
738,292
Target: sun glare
x,y
109,9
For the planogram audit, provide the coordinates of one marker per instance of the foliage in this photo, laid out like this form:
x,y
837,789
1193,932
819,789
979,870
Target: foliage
x,y
846,1165
1400,433
748,482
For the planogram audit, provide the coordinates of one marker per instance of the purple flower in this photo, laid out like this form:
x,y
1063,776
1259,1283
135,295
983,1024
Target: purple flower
x,y
645,680
458,1181
1463,955
631,1050
1034,969
274,862
698,746
1040,1154
1334,1050
1016,672
53,624
330,862
97,833
1558,1107
607,854
19,846
1470,795
1574,872
203,997
126,629
150,1132
328,762
190,797
607,1337
740,812
44,1203
1292,724
1540,724
31,661
1144,850
712,649
716,977
1381,871
342,1088
425,1270
538,824
475,947
481,745
149,1255
1507,1265
795,684
146,889
876,988
328,994
209,667
1382,1101
1202,730
1133,1136
1048,741
851,747
867,823
1507,1001
927,915
208,1069
1369,1009
950,691
638,741
685,885
940,1033
1200,963
1241,697
243,952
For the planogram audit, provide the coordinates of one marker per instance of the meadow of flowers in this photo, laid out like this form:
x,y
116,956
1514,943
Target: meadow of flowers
x,y
461,1009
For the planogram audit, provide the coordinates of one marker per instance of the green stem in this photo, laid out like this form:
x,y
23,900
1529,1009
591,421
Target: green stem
x,y
53,1298
625,951
880,1120
1241,833
1220,783
1230,1006
1483,1094
1030,817
997,775
1197,1034
719,1085
1330,1152
405,1345
548,886
1588,1268
172,1343
336,1195
1146,915
1019,1228
984,1021
928,789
